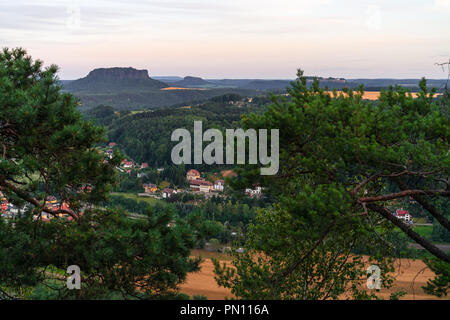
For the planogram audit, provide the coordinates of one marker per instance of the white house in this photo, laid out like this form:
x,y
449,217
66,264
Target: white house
x,y
403,215
167,193
254,192
219,185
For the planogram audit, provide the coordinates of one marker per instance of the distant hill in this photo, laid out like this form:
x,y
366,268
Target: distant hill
x,y
65,82
132,89
115,80
267,84
167,79
191,82
230,82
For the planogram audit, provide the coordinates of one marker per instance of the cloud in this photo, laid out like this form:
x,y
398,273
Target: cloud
x,y
239,34
442,3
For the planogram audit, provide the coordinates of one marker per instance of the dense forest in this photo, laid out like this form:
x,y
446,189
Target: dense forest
x,y
145,136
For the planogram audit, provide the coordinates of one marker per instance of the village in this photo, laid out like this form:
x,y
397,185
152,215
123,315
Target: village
x,y
197,185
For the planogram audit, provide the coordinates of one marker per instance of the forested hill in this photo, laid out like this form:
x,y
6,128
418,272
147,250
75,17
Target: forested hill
x,y
132,89
191,82
115,80
145,136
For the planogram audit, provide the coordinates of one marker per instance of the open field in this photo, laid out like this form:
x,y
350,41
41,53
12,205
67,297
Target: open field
x,y
373,95
424,231
410,275
203,283
150,200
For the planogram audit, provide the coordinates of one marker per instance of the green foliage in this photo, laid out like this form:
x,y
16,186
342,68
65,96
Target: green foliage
x,y
142,257
135,204
397,295
146,136
102,115
48,150
440,233
283,260
176,175
439,286
338,154
424,231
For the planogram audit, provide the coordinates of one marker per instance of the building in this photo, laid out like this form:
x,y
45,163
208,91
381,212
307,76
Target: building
x,y
12,210
403,215
192,175
109,153
219,185
150,187
171,224
127,164
254,192
144,165
51,203
167,193
3,203
201,186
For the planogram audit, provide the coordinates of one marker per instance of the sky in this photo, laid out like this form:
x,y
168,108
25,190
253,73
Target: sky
x,y
234,39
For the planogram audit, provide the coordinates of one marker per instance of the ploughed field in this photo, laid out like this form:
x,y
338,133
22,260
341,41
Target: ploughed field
x,y
410,275
374,95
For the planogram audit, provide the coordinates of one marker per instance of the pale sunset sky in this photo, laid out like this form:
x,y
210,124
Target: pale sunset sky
x,y
234,39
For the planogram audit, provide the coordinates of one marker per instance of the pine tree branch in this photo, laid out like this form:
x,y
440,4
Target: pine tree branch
x,y
405,193
22,194
386,213
294,266
428,206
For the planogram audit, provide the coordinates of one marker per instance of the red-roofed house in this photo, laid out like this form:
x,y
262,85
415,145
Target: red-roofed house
x,y
192,175
403,215
3,203
167,192
127,164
